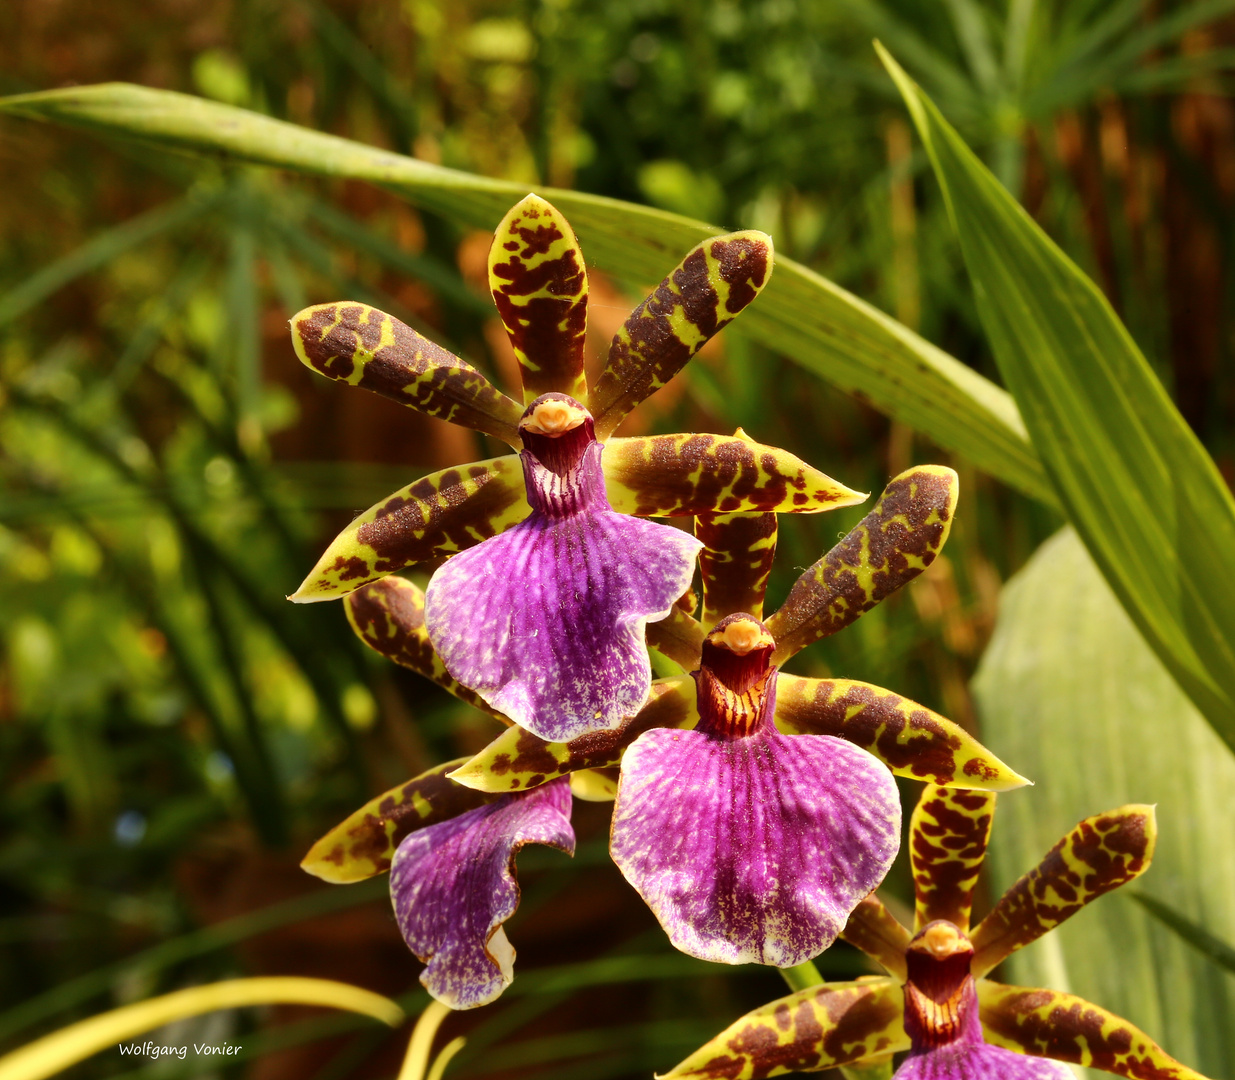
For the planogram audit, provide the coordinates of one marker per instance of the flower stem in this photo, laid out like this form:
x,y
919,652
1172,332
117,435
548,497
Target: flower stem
x,y
802,976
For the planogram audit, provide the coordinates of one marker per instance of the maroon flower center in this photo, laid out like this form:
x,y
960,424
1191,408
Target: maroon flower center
x,y
736,681
561,457
941,1000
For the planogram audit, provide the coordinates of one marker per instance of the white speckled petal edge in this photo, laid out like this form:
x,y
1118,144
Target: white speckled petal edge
x,y
453,885
753,850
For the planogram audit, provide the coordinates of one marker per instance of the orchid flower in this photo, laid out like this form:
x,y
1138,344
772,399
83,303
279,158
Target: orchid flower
x,y
542,606
936,1001
755,809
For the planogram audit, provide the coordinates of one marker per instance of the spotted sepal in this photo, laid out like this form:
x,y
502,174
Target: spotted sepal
x,y
888,548
877,932
1100,854
676,475
911,740
678,636
438,515
595,785
1052,1024
705,293
735,562
947,844
364,844
820,1028
358,344
539,284
388,615
517,760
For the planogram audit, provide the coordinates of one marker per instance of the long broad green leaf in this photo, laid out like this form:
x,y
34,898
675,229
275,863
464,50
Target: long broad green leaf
x,y
1207,944
1142,492
1069,692
846,341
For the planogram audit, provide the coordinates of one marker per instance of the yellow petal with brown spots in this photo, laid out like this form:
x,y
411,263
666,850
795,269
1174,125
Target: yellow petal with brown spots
x,y
820,1028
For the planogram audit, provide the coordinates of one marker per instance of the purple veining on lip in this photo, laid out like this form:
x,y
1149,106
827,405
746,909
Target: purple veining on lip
x,y
453,885
979,1061
748,845
546,620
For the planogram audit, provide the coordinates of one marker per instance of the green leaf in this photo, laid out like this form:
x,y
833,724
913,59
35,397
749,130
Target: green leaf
x,y
1214,948
1070,693
1143,494
801,314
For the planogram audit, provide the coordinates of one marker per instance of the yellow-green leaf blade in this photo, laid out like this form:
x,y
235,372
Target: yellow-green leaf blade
x,y
57,1051
1142,492
843,339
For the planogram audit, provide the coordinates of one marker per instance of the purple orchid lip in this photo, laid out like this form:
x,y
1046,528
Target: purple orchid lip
x,y
750,845
453,886
546,621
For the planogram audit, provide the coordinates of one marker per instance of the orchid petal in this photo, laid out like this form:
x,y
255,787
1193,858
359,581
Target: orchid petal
x,y
546,621
517,759
978,1061
358,344
706,292
888,548
876,931
687,474
1049,1023
595,785
363,844
753,850
947,845
453,885
437,515
679,636
735,562
820,1028
1100,854
388,615
540,287
911,740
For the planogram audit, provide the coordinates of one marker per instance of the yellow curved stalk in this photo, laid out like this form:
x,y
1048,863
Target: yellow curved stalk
x,y
57,1051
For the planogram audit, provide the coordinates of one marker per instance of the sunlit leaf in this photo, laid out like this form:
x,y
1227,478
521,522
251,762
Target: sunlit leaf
x,y
1143,494
1071,693
820,325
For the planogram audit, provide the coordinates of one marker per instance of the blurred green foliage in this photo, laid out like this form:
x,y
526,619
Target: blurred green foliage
x,y
173,735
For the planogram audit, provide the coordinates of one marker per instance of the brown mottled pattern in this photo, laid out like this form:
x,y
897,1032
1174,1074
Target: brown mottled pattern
x,y
808,1031
707,290
540,287
678,636
888,548
438,516
525,760
875,930
389,616
874,719
735,562
1100,854
1048,1023
363,844
948,833
333,338
672,475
